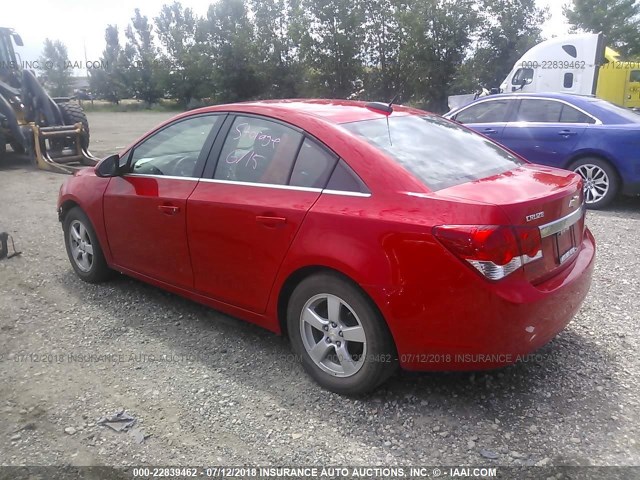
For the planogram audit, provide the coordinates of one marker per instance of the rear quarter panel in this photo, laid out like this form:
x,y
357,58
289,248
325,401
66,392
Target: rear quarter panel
x,y
618,144
385,245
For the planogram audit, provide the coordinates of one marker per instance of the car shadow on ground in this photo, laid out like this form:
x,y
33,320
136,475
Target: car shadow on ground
x,y
263,362
623,205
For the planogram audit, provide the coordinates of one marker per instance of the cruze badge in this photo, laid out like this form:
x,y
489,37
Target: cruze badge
x,y
534,216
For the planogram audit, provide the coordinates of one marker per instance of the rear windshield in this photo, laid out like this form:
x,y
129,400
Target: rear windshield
x,y
437,151
628,116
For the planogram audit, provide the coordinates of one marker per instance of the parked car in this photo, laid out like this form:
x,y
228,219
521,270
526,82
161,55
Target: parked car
x,y
373,236
592,137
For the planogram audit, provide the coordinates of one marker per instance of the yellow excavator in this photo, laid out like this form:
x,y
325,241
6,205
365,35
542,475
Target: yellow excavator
x,y
54,132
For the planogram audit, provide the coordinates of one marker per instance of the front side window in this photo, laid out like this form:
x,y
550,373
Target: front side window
x,y
539,111
485,112
634,76
438,152
174,150
257,150
524,76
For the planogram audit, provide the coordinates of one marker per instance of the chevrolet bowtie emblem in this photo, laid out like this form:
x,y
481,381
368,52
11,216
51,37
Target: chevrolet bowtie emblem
x,y
574,200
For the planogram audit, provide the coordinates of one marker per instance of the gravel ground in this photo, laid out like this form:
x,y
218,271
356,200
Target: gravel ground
x,y
210,389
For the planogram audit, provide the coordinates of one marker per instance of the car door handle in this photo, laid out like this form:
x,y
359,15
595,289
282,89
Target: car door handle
x,y
168,209
566,133
489,130
269,221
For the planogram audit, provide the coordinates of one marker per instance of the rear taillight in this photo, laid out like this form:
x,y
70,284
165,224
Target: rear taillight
x,y
494,250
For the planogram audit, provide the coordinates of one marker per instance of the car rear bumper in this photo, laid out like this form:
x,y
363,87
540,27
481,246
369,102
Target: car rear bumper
x,y
472,324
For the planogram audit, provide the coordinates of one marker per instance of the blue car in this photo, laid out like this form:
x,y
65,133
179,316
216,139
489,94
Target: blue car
x,y
592,137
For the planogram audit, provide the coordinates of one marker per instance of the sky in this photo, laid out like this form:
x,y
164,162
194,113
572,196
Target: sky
x,y
80,24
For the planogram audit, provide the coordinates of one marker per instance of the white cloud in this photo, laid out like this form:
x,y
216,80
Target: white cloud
x,y
556,25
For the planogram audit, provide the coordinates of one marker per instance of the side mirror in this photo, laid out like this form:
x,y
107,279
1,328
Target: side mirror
x,y
109,167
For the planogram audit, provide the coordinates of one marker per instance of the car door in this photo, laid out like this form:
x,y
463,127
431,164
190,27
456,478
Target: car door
x,y
258,185
545,131
145,208
488,117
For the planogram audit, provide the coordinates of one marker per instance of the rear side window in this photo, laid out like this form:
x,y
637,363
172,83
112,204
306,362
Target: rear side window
x,y
484,112
313,166
344,179
257,150
546,111
438,152
571,115
568,80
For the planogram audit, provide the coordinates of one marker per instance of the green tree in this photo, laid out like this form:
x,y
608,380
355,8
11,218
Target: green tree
x,y
331,37
141,56
278,67
440,34
55,68
109,82
185,74
509,29
229,44
619,20
384,41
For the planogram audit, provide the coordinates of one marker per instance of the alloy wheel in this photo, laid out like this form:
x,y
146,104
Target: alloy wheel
x,y
596,182
333,335
80,245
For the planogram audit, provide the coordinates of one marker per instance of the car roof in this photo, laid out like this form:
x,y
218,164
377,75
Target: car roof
x,y
592,105
578,100
334,111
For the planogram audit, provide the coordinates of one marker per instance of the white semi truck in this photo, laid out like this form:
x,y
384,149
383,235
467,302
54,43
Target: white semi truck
x,y
580,64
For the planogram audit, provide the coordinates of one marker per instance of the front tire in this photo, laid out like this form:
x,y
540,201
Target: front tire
x,y
73,113
17,147
343,340
83,248
601,182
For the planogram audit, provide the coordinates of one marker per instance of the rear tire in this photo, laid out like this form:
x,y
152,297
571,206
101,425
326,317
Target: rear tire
x,y
601,182
83,248
73,113
343,340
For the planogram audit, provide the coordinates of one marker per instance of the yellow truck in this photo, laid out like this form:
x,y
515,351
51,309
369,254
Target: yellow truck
x,y
581,64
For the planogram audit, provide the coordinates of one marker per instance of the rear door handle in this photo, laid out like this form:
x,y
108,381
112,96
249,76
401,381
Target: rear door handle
x,y
489,130
168,209
269,221
566,133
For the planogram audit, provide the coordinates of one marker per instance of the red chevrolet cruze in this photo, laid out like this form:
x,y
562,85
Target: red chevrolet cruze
x,y
375,236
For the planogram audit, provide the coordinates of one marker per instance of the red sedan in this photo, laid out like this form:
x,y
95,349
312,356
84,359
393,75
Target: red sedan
x,y
374,236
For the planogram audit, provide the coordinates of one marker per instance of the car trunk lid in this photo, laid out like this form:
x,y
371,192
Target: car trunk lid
x,y
536,196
